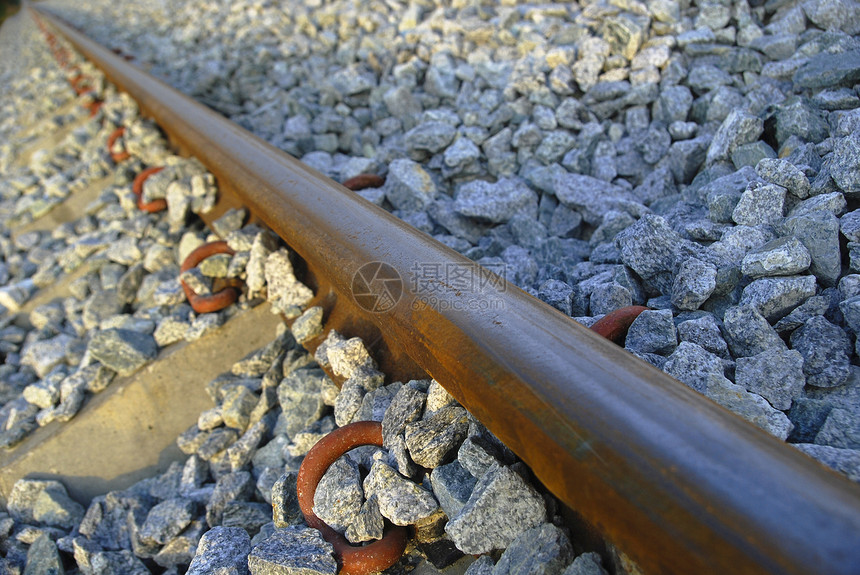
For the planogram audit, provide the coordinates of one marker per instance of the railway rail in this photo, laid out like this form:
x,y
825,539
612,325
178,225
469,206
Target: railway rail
x,y
677,482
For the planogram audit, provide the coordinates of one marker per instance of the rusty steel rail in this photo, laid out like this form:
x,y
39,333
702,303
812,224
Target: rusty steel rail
x,y
676,481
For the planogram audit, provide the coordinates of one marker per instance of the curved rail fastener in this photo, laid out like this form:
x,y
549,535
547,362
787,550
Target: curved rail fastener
x,y
114,136
614,325
677,482
157,205
363,181
352,560
218,300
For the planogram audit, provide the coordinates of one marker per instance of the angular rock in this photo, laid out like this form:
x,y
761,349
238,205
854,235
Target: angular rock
x,y
368,524
827,70
434,440
653,331
840,429
737,129
825,349
780,257
299,397
222,549
585,564
235,486
495,202
501,507
541,550
293,550
694,283
760,204
593,197
452,486
783,173
843,164
168,519
405,408
43,558
338,497
408,187
775,297
285,503
819,233
400,500
774,374
748,333
122,350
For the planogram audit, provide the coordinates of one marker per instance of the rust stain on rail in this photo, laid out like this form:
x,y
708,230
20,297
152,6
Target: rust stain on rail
x,y
677,482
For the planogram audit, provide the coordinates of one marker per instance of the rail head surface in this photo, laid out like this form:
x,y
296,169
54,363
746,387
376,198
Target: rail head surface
x,y
677,482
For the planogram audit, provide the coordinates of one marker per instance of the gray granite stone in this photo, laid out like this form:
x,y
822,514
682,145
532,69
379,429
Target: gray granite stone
x,y
483,565
593,197
585,564
557,294
796,117
705,332
348,356
434,440
400,500
780,257
607,297
122,350
408,186
826,350
819,233
774,374
452,485
703,372
775,297
816,305
829,70
849,225
168,519
737,129
293,550
43,558
249,515
543,550
368,524
843,164
783,173
308,325
46,354
495,202
406,407
222,549
285,503
760,204
236,407
500,508
653,331
338,497
694,283
840,429
654,250
748,333
25,492
299,397
180,550
235,486
286,294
